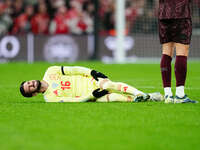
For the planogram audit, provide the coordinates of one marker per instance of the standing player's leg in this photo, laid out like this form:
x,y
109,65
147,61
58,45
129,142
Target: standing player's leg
x,y
165,66
166,59
181,68
182,38
182,51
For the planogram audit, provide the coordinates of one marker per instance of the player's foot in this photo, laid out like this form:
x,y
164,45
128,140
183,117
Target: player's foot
x,y
169,99
184,99
155,96
141,98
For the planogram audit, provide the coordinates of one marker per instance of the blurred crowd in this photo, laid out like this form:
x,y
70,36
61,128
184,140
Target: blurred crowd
x,y
141,15
46,16
76,16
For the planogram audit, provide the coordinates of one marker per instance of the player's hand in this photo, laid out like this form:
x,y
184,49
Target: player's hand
x,y
97,75
97,93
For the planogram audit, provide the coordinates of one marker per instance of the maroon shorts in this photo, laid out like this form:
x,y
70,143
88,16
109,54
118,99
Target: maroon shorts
x,y
175,30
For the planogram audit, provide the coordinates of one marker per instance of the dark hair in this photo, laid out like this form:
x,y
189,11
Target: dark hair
x,y
23,92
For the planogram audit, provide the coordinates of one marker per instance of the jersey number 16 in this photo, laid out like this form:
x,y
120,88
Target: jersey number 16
x,y
65,85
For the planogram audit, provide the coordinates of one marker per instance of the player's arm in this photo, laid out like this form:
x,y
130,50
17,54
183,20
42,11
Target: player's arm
x,y
69,70
75,70
50,71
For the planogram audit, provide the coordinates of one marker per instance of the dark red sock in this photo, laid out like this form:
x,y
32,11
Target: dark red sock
x,y
180,70
165,66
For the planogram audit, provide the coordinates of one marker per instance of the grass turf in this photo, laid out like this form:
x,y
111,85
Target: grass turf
x,y
29,124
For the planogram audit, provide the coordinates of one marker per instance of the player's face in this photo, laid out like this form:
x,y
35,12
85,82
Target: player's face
x,y
32,86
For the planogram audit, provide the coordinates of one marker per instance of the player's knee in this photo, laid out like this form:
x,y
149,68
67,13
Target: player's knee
x,y
168,49
182,50
105,84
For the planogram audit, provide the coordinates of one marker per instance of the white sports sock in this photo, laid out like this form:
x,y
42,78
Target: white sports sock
x,y
180,91
168,91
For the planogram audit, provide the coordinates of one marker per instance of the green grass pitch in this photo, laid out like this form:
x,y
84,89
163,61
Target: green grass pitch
x,y
32,124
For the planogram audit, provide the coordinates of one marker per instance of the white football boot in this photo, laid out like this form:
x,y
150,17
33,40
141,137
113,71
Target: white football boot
x,y
156,96
148,97
184,99
169,99
138,98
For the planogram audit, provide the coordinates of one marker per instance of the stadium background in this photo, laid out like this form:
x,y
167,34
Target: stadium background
x,y
29,124
63,30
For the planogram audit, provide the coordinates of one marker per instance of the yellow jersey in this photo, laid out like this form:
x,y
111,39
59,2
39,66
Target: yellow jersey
x,y
69,84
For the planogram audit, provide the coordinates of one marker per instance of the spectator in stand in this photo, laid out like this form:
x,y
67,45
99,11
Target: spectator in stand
x,y
131,14
5,20
9,9
107,8
88,6
18,6
22,22
40,22
59,24
82,24
75,9
53,6
57,3
80,21
136,15
134,9
76,16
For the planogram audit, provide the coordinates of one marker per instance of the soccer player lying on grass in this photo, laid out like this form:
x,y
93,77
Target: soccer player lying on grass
x,y
80,84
